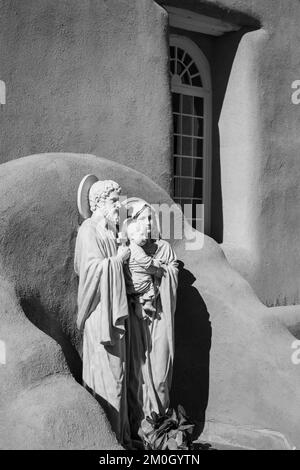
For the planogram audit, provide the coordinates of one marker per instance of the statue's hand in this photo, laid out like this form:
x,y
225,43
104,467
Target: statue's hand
x,y
160,272
123,253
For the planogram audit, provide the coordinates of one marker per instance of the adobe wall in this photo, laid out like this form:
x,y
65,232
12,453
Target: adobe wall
x,y
227,331
93,77
86,76
259,154
42,406
260,169
232,354
259,135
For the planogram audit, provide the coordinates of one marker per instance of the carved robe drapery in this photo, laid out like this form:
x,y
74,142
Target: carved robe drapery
x,y
102,312
150,345
127,360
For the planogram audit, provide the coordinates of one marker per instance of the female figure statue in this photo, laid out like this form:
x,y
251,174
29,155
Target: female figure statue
x,y
151,338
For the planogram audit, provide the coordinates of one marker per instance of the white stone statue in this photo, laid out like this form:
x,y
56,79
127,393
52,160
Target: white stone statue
x,y
127,352
143,270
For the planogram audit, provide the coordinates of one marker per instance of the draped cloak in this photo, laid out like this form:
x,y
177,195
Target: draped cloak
x,y
102,312
127,360
150,345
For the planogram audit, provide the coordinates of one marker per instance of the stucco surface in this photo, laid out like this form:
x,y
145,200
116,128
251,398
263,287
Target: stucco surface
x,y
92,76
87,76
233,354
259,137
259,153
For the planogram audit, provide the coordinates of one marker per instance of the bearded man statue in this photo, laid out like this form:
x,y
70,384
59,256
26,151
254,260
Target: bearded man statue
x,y
102,301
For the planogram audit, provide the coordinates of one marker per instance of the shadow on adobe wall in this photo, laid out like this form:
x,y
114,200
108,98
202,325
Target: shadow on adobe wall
x,y
193,334
47,322
190,386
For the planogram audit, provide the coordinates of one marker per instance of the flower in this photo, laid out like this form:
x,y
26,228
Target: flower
x,y
171,430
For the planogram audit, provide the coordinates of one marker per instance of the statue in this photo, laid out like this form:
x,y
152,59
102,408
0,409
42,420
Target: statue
x,y
143,271
128,336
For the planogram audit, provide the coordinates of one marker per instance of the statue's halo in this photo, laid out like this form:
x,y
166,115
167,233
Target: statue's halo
x,y
83,195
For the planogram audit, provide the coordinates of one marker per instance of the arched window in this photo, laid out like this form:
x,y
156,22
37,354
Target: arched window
x,y
191,93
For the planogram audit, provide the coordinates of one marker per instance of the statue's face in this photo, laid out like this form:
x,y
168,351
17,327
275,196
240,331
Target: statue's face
x,y
138,234
145,219
111,207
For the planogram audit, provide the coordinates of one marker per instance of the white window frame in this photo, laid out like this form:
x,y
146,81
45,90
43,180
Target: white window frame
x,y
206,92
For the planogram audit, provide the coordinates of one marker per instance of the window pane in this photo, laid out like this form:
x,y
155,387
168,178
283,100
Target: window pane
x,y
180,53
196,81
186,146
198,167
187,123
177,169
187,187
198,104
187,104
197,147
172,66
172,52
186,79
193,69
198,127
176,102
177,187
177,123
177,144
179,68
197,190
186,166
187,59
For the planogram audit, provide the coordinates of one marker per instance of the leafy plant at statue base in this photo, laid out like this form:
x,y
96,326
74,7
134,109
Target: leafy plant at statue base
x,y
171,430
